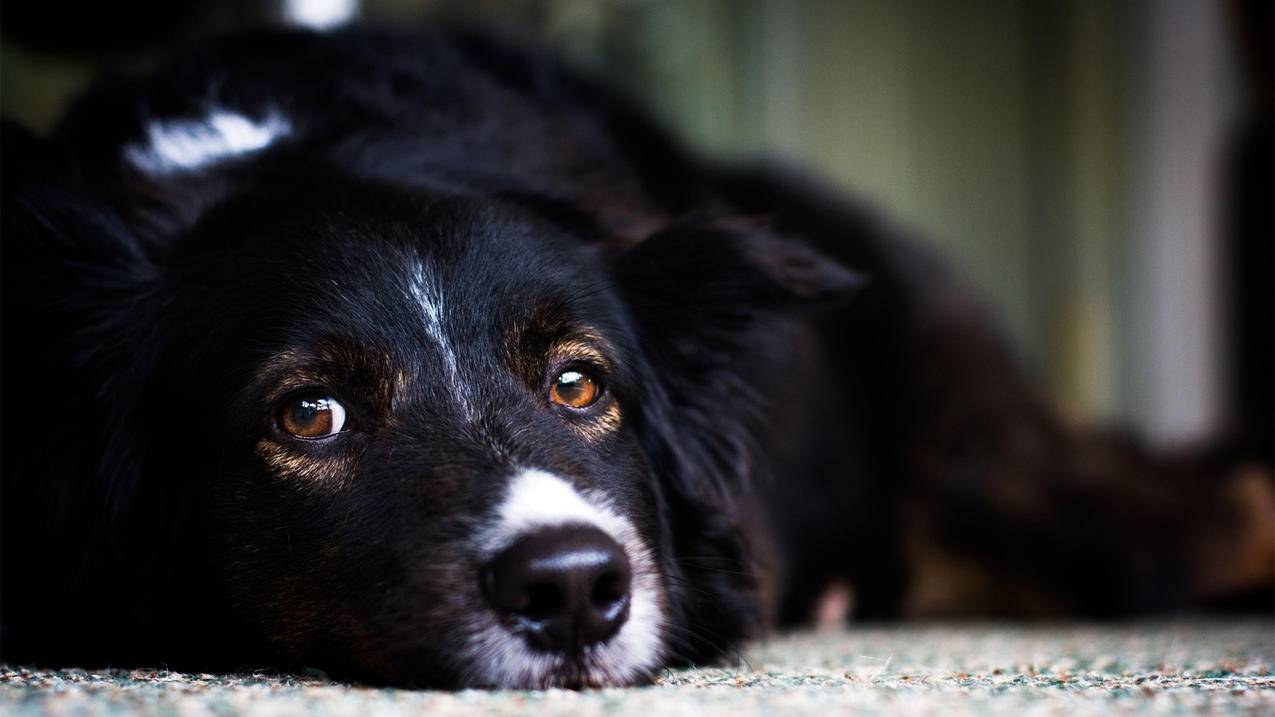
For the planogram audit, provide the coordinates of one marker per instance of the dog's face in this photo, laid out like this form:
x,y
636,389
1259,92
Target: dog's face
x,y
424,439
428,467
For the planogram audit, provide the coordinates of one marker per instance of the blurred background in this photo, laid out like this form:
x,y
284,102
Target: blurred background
x,y
1101,170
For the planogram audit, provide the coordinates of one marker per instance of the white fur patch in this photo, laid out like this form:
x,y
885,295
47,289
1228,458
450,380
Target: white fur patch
x,y
537,499
183,145
428,296
320,14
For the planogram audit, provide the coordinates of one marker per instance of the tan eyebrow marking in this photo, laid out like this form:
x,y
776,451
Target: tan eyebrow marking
x,y
367,372
574,349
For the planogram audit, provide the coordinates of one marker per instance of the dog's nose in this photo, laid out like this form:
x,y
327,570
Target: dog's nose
x,y
565,587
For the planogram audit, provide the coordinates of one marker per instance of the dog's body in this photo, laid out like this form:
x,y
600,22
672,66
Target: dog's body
x,y
317,347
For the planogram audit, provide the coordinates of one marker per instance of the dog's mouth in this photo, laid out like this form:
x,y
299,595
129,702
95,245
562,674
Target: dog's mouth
x,y
583,672
508,664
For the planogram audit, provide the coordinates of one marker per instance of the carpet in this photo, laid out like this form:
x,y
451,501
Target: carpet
x,y
1163,668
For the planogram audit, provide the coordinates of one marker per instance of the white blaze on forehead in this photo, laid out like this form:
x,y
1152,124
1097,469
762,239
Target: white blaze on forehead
x,y
537,500
180,145
425,291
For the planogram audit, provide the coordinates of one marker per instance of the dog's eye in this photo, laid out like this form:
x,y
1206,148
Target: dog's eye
x,y
574,388
312,417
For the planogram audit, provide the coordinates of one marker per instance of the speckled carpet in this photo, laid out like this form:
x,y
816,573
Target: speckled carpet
x,y
1177,667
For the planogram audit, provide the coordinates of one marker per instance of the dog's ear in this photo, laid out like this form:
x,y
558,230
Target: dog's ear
x,y
734,266
58,227
712,302
78,299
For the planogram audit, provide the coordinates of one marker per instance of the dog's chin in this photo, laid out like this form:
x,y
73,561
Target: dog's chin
x,y
517,667
502,659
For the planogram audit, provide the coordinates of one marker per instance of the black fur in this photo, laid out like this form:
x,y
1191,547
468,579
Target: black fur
x,y
806,397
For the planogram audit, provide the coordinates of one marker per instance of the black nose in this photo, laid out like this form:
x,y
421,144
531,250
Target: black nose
x,y
564,588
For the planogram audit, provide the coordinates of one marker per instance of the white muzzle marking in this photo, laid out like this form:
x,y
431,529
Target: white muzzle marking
x,y
536,500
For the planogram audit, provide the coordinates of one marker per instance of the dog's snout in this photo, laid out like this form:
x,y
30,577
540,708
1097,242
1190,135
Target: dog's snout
x,y
564,588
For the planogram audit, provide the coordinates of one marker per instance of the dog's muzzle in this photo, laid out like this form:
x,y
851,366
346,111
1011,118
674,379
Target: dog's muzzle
x,y
561,588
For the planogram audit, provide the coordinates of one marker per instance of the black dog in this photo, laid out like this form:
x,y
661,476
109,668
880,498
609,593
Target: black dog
x,y
425,362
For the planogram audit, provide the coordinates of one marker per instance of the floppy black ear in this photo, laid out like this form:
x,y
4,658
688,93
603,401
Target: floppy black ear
x,y
77,302
735,266
713,302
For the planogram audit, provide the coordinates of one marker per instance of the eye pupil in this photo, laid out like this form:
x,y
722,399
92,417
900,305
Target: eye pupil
x,y
574,389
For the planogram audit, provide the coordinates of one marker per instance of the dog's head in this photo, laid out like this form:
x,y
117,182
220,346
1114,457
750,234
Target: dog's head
x,y
423,438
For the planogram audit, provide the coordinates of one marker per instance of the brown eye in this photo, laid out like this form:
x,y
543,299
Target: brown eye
x,y
574,389
312,417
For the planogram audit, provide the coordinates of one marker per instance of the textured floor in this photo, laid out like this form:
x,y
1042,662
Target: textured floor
x,y
1144,668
